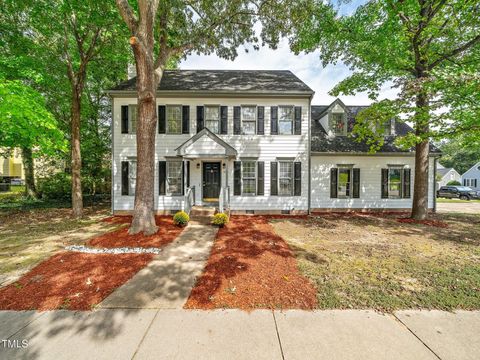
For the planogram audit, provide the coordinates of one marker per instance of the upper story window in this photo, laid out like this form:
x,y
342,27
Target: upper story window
x,y
212,118
249,120
174,119
285,120
132,117
388,128
338,123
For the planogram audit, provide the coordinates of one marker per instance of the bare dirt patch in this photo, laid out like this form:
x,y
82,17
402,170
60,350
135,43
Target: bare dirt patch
x,y
72,281
250,267
368,261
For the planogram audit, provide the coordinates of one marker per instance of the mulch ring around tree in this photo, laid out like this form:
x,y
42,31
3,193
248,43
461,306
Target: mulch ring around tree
x,y
72,281
167,232
251,267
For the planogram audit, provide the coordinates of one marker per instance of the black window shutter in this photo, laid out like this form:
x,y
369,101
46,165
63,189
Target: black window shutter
x,y
124,119
464,182
406,183
298,120
188,173
333,183
273,178
274,120
297,179
260,120
224,120
200,124
260,178
356,183
162,122
162,177
237,178
125,182
475,182
237,126
384,183
185,119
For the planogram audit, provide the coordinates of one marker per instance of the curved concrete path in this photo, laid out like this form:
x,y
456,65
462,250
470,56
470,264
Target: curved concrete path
x,y
167,281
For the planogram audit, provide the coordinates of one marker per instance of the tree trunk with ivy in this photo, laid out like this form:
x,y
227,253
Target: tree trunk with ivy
x,y
28,167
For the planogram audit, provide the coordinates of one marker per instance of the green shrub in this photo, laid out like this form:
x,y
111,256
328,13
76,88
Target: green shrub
x,y
220,219
181,218
454,183
56,186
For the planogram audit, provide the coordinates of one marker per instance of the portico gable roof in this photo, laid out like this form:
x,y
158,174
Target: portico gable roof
x,y
229,151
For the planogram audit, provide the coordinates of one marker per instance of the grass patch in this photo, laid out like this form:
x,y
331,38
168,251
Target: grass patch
x,y
371,262
444,200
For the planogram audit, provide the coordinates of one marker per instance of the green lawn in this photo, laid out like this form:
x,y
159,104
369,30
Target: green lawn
x,y
443,200
371,262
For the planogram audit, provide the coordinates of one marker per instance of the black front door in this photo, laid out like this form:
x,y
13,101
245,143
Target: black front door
x,y
211,180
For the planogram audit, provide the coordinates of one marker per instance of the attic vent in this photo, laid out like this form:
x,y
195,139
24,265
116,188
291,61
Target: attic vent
x,y
250,212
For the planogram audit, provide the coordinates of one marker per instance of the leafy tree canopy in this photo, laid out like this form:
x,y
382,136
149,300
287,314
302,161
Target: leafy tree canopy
x,y
460,153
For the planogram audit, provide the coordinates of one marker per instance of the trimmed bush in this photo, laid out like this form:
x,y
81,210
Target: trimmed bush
x,y
56,186
454,183
181,218
220,219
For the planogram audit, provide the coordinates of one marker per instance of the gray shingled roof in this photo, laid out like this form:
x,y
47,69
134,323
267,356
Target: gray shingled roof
x,y
275,81
443,171
320,142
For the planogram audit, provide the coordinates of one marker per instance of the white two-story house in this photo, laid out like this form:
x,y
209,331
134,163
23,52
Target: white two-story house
x,y
251,142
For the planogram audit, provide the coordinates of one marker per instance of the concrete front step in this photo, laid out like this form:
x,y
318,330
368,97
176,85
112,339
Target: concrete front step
x,y
201,211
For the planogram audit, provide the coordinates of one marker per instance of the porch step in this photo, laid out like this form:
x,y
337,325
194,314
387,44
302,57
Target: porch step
x,y
202,211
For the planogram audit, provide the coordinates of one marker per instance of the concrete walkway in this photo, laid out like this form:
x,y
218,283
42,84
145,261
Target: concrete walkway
x,y
233,334
167,281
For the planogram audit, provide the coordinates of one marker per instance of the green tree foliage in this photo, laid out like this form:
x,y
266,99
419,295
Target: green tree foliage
x,y
428,49
460,153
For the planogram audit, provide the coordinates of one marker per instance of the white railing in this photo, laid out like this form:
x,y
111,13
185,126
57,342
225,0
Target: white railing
x,y
189,199
224,199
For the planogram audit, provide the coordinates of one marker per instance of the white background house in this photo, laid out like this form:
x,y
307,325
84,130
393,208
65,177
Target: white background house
x,y
471,177
446,175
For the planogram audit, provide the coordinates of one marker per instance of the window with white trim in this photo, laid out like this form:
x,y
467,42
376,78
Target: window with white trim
x,y
249,120
344,182
132,116
285,120
212,118
285,178
174,177
249,177
132,176
395,182
469,182
174,119
339,124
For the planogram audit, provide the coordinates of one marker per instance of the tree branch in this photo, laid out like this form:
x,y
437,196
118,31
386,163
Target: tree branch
x,y
128,15
455,52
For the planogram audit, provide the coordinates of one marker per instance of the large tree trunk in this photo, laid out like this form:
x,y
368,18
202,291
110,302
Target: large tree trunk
x,y
420,191
77,199
143,215
27,158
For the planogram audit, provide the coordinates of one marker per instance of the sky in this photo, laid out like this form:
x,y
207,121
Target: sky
x,y
307,67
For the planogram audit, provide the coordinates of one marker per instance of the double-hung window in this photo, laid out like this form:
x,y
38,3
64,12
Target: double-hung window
x,y
285,178
395,182
174,119
132,177
339,124
249,120
344,182
174,177
285,120
132,116
249,177
212,118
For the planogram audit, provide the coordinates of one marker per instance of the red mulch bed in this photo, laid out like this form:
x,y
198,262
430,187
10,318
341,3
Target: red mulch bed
x,y
71,280
251,267
167,232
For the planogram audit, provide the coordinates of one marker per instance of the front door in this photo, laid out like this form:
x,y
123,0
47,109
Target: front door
x,y
211,181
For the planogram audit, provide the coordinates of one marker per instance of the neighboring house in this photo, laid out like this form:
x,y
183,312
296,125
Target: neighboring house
x,y
244,140
446,175
11,166
471,177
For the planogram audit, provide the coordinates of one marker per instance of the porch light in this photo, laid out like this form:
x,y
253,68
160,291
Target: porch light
x,y
224,165
198,165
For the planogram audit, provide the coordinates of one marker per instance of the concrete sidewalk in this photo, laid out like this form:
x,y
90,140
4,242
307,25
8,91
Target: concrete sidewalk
x,y
167,281
234,334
